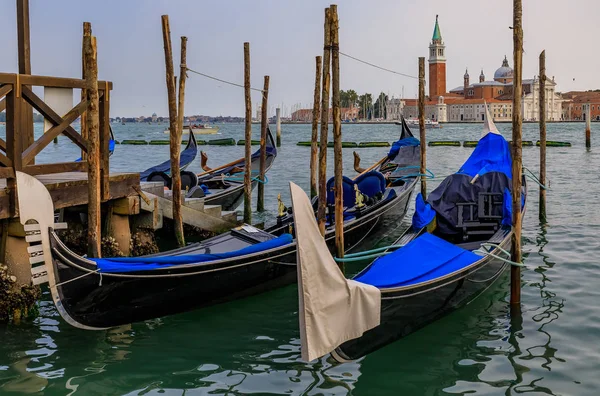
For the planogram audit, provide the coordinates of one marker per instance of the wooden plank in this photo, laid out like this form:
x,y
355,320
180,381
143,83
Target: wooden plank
x,y
8,78
6,173
58,167
2,105
46,138
2,144
104,140
5,89
4,160
53,117
127,205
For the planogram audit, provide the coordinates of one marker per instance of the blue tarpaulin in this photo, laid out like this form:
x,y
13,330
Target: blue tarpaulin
x,y
396,146
425,258
423,213
492,154
131,264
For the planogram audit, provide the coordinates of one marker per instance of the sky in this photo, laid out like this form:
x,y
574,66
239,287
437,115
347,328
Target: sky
x,y
285,36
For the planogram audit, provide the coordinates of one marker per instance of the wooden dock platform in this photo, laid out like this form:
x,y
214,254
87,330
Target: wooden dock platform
x,y
70,189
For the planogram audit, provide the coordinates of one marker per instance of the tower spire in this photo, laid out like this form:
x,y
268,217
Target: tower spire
x,y
437,63
437,36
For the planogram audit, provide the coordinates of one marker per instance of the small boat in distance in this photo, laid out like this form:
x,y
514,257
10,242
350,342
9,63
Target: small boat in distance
x,y
415,122
198,129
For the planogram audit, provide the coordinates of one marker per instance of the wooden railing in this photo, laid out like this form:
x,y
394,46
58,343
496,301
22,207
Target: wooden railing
x,y
18,151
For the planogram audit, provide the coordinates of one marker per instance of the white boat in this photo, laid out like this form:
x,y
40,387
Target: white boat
x,y
428,123
198,129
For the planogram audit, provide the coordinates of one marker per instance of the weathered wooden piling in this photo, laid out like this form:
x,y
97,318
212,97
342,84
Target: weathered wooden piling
x,y
517,120
264,124
278,125
542,100
176,176
337,134
422,126
314,141
248,138
588,126
24,50
94,235
174,137
87,31
322,206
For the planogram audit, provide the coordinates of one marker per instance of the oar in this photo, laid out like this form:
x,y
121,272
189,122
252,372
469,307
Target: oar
x,y
221,167
381,161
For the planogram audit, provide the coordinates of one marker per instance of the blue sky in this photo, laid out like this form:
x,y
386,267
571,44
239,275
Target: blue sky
x,y
285,36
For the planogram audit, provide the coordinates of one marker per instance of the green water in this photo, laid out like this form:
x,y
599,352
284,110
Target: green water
x,y
251,346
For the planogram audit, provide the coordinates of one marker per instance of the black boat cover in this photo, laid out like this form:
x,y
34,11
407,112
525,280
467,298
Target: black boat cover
x,y
186,157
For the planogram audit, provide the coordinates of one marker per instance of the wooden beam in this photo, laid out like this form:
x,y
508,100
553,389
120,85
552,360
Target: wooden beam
x,y
2,144
87,31
58,167
93,125
422,136
54,118
314,141
264,124
5,161
104,143
127,206
337,134
542,100
2,105
33,150
23,36
248,138
175,145
5,89
6,173
517,163
322,205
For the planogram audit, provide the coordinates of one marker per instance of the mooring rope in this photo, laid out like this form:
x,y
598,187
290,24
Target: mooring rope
x,y
220,80
378,67
484,252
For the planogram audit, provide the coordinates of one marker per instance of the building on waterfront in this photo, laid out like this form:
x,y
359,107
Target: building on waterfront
x,y
393,109
305,115
575,102
154,117
466,102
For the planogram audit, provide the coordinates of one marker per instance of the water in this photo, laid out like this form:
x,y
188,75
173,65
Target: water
x,y
251,346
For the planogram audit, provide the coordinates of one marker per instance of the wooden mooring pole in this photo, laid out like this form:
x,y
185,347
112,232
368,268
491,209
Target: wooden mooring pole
x,y
278,125
94,234
176,176
264,124
174,142
542,99
24,56
517,120
322,207
588,126
337,134
314,141
248,137
422,126
87,31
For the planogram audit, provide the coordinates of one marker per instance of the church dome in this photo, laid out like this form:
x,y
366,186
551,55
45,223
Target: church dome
x,y
504,71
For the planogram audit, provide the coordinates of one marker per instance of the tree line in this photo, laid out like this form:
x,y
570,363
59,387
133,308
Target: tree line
x,y
36,117
367,108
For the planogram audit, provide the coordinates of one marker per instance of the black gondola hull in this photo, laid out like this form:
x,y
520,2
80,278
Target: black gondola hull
x,y
404,312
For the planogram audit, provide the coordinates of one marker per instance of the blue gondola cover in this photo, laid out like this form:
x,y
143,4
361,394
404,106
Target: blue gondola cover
x,y
423,215
492,154
409,141
132,264
425,258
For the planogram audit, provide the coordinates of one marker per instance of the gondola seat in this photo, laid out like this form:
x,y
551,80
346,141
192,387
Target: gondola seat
x,y
347,191
371,183
133,264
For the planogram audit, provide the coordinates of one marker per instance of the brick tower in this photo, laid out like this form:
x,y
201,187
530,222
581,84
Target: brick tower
x,y
437,64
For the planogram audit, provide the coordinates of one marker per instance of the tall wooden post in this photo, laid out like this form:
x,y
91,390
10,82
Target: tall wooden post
x,y
278,125
542,99
175,148
93,127
322,206
174,141
264,124
87,31
314,141
248,137
588,126
23,39
517,119
422,126
337,133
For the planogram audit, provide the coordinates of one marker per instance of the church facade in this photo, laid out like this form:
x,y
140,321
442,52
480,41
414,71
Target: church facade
x,y
466,103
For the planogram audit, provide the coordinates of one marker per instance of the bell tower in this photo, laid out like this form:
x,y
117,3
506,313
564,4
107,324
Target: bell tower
x,y
466,80
437,64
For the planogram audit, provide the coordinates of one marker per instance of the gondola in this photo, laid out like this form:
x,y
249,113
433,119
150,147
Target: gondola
x,y
102,293
162,171
224,185
457,246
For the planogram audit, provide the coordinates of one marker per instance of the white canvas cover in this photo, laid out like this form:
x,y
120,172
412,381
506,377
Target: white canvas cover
x,y
332,308
488,123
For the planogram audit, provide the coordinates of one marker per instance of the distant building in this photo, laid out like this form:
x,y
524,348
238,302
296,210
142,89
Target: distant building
x,y
305,115
154,117
466,102
574,105
393,109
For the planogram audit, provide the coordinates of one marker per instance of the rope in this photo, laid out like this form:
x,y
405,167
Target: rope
x,y
361,258
223,81
531,176
378,67
376,250
256,178
484,252
429,174
79,277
